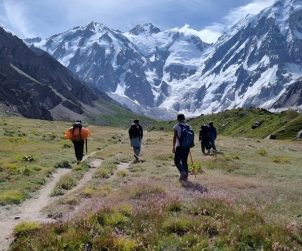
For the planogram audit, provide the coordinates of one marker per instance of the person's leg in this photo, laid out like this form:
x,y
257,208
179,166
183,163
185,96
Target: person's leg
x,y
177,159
203,148
184,162
136,151
79,149
213,144
208,147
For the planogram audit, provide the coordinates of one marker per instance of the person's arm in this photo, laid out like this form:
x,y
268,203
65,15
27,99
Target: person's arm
x,y
141,132
174,141
130,134
199,135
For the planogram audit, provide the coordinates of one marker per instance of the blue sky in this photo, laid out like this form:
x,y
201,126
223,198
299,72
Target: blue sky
x,y
31,18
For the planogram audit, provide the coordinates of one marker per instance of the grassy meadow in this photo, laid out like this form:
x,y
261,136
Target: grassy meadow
x,y
239,123
246,197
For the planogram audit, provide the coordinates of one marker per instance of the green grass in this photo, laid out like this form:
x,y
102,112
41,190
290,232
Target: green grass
x,y
120,117
26,227
247,196
290,129
205,223
31,150
238,122
70,180
11,197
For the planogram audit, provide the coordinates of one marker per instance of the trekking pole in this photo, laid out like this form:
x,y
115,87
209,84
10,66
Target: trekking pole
x,y
86,146
193,171
191,158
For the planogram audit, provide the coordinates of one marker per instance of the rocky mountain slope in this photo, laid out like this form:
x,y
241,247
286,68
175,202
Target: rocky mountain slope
x,y
254,65
137,68
36,85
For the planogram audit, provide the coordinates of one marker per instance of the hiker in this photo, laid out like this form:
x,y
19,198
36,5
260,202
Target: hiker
x,y
212,135
204,139
183,140
77,134
136,135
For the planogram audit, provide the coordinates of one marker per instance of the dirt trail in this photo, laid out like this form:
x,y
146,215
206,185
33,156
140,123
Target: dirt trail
x,y
85,203
88,175
31,209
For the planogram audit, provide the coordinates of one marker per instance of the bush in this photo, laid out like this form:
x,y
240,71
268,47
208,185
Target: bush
x,y
63,164
26,227
142,190
195,168
122,173
11,197
281,160
262,152
66,182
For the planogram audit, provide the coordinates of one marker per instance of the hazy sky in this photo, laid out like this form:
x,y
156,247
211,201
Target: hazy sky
x,y
31,18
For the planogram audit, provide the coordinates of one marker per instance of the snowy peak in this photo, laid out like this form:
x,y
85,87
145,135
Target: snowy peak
x,y
146,29
95,27
286,14
175,71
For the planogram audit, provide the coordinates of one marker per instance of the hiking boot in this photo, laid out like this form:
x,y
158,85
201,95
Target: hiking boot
x,y
136,157
183,176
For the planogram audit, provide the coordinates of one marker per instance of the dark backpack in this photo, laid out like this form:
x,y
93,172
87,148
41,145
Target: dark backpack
x,y
77,125
135,131
186,139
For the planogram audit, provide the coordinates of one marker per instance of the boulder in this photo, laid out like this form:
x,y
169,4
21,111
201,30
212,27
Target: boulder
x,y
256,124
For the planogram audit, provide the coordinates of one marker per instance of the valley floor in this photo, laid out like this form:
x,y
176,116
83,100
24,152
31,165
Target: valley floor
x,y
248,195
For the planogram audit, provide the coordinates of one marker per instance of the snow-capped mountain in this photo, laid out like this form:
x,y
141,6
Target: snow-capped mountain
x,y
160,73
103,57
173,56
253,65
138,74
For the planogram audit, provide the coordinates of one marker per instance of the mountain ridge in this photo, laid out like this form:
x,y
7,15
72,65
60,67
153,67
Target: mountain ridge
x,y
35,85
161,73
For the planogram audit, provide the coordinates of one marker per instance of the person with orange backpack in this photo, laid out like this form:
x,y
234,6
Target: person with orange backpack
x,y
78,134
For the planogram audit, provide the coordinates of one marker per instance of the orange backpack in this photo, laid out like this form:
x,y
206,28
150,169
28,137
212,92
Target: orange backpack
x,y
77,133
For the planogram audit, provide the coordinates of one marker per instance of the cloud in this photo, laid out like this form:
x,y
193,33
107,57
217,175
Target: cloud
x,y
46,17
212,32
252,8
16,17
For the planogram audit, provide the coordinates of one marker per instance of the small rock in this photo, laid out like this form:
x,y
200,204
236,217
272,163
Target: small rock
x,y
273,136
17,217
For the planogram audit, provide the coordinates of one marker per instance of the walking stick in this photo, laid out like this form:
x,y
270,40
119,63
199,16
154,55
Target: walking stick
x,y
191,158
193,171
86,146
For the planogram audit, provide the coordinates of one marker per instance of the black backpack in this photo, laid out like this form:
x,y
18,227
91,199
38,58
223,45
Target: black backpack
x,y
77,125
135,131
186,139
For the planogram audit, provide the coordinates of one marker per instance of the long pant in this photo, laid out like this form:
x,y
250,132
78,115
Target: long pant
x,y
204,146
212,144
136,150
79,149
136,144
181,159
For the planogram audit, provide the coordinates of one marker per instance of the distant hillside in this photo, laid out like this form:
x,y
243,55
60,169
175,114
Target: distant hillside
x,y
35,85
240,122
